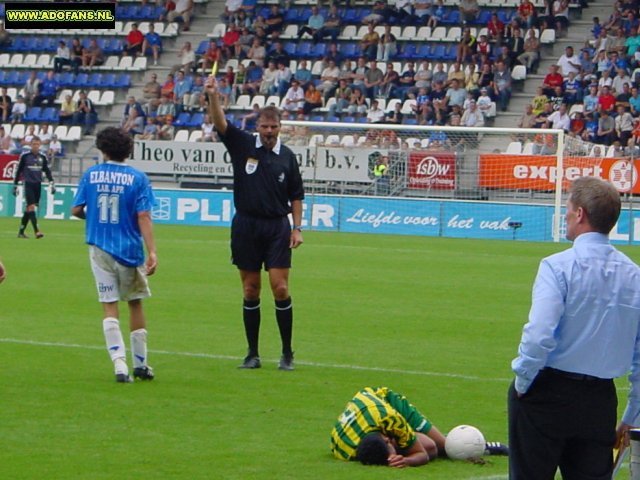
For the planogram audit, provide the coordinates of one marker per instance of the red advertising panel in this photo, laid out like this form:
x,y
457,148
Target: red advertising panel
x,y
432,170
539,172
8,166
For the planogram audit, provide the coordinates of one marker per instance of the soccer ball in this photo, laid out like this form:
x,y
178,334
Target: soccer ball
x,y
464,442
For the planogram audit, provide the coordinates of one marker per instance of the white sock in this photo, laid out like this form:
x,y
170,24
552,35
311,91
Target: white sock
x,y
115,344
139,347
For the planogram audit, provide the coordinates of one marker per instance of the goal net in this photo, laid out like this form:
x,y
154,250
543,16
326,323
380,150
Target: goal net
x,y
447,181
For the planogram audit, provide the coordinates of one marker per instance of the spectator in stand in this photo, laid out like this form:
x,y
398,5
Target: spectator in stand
x,y
253,79
605,80
422,10
67,109
45,133
634,102
472,117
623,125
560,118
208,130
166,131
152,44
616,43
5,38
150,131
358,75
195,99
132,103
469,10
183,11
531,51
577,124
456,73
303,74
606,129
438,14
294,98
377,14
6,142
606,101
369,43
526,14
18,111
515,43
283,78
187,59
314,25
231,10
312,99
572,89
275,21
587,67
619,80
242,19
407,80
357,103
48,90
62,57
93,56
485,103
166,109
167,87
224,93
5,105
249,120
466,46
552,80
342,96
395,116
590,102
25,141
602,62
568,62
557,98
502,85
268,84
181,88
240,47
387,46
31,88
455,95
210,56
333,53
85,114
167,6
332,24
278,54
590,131
375,113
422,107
390,83
528,118
76,52
133,42
151,93
372,80
632,43
257,53
328,79
561,17
483,50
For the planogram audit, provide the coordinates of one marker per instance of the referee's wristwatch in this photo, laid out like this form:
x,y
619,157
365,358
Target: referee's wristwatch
x,y
297,227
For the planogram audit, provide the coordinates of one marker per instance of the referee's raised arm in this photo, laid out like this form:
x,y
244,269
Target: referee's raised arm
x,y
215,110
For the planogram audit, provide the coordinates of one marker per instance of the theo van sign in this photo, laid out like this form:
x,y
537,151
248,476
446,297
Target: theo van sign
x,y
212,159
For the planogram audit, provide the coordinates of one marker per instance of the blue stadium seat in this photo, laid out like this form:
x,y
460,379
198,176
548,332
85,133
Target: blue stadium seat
x,y
81,81
12,78
123,81
182,120
2,75
350,50
304,15
50,115
147,12
408,52
202,47
33,114
108,80
66,79
451,53
332,118
95,81
410,120
121,10
196,120
506,15
49,44
317,118
292,16
319,50
452,18
437,52
290,48
423,51
350,16
484,16
264,12
303,50
349,119
17,45
361,13
23,76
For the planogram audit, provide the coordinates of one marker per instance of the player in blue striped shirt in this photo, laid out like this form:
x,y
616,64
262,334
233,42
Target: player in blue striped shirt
x,y
116,201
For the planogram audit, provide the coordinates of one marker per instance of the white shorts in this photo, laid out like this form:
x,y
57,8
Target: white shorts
x,y
115,281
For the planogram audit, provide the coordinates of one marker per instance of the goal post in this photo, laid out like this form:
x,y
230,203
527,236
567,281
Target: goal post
x,y
507,183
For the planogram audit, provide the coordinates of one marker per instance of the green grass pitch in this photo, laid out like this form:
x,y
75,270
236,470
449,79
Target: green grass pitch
x,y
436,319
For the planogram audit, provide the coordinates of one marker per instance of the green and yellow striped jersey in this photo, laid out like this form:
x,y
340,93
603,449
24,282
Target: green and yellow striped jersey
x,y
371,411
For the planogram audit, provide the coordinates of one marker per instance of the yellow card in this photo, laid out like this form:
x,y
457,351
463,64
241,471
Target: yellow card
x,y
214,68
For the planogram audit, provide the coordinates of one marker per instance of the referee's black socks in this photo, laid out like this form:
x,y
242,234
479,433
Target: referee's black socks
x,y
251,318
24,221
284,316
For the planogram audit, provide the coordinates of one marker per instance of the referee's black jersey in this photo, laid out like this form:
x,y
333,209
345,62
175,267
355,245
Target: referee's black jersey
x,y
264,182
31,167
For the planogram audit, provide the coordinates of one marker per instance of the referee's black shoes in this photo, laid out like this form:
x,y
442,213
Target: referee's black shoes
x,y
250,361
286,362
496,448
143,373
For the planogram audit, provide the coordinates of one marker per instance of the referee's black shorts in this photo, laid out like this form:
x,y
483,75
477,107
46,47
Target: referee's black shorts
x,y
260,241
32,192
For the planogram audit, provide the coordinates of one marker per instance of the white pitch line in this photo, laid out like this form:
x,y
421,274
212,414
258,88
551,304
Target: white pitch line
x,y
229,357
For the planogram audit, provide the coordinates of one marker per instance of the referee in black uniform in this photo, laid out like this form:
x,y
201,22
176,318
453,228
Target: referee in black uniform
x,y
267,186
31,166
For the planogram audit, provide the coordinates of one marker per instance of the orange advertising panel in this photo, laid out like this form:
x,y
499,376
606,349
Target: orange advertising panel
x,y
539,172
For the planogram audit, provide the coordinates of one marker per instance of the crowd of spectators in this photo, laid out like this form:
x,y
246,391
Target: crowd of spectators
x,y
592,93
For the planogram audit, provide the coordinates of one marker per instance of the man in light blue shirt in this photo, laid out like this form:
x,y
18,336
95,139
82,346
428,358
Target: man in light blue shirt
x,y
116,201
583,331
